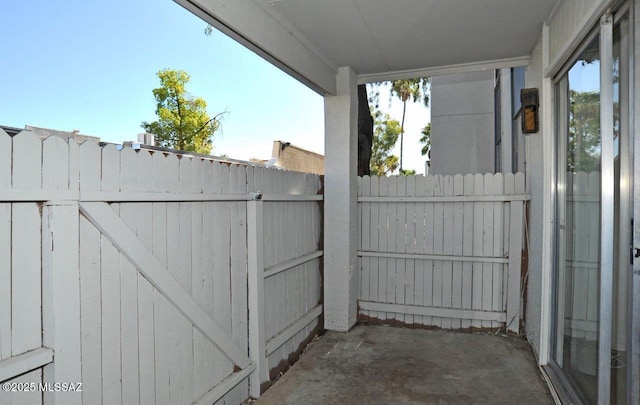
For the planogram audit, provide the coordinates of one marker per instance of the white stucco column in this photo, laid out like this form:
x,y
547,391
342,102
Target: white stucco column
x,y
340,218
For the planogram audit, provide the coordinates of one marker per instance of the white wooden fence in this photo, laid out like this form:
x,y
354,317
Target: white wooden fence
x,y
442,251
150,277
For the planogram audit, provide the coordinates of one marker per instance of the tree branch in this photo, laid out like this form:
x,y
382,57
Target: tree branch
x,y
215,118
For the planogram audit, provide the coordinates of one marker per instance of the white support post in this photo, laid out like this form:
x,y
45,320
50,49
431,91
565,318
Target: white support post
x,y
515,264
549,198
255,245
340,215
61,298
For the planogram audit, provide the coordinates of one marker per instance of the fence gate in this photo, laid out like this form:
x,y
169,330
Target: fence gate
x,y
128,272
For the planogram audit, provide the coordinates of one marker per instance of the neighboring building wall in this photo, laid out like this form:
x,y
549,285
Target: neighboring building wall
x,y
462,123
291,157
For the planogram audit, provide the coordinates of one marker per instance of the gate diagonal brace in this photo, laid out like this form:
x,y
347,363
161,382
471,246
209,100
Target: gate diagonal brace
x,y
117,232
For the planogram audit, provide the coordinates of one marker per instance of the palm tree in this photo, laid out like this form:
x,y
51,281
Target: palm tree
x,y
414,89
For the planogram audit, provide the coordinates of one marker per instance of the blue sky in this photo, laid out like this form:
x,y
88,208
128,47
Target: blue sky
x,y
91,65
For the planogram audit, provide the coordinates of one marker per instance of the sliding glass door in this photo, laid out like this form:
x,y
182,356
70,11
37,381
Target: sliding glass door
x,y
593,217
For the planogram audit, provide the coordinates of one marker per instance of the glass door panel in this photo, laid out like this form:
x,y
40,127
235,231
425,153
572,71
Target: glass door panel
x,y
578,261
588,147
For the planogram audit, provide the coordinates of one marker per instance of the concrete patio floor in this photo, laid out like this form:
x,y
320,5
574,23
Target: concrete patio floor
x,y
388,365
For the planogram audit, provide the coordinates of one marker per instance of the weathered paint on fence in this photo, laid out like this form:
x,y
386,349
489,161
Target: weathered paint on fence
x,y
442,251
155,247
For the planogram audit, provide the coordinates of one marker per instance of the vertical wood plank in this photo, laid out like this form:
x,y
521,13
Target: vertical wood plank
x,y
129,285
438,246
5,278
374,263
515,259
90,312
90,160
61,298
409,293
110,289
428,246
256,296
467,248
26,319
498,248
420,248
487,249
55,164
90,166
161,179
144,231
26,162
478,229
364,211
111,339
458,234
6,149
392,222
238,255
179,240
447,267
401,244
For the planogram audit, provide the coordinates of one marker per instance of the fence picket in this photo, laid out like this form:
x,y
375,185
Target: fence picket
x,y
383,268
438,247
419,265
374,227
6,150
401,244
26,162
498,268
411,248
5,279
26,280
111,317
429,246
55,163
160,305
129,285
447,267
144,231
467,248
457,236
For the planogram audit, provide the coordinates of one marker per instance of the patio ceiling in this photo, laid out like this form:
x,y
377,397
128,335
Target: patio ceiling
x,y
380,39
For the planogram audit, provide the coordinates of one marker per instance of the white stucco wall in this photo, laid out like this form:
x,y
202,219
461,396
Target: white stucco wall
x,y
462,123
535,187
570,22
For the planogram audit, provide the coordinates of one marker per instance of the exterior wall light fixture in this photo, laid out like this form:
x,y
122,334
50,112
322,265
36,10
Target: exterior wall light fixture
x,y
529,116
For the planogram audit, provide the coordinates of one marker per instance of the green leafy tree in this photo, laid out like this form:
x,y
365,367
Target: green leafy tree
x,y
408,172
425,139
409,89
584,132
183,122
385,135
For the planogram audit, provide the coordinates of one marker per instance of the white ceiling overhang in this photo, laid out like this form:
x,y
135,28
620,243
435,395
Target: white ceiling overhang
x,y
380,39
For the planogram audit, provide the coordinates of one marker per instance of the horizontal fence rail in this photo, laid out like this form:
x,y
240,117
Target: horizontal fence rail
x,y
442,251
136,272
